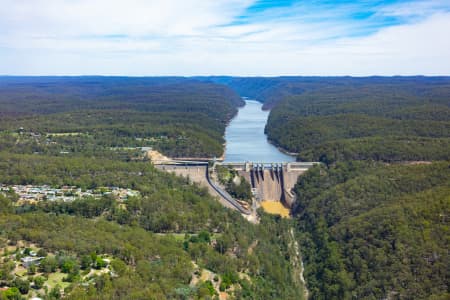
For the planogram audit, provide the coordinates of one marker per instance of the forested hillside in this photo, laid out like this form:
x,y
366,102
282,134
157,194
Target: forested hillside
x,y
374,216
258,88
155,266
159,241
178,116
272,90
371,231
403,120
268,90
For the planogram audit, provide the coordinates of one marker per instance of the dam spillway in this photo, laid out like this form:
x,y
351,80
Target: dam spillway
x,y
272,181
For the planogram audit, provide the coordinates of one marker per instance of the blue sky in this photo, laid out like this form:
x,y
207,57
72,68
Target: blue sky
x,y
245,37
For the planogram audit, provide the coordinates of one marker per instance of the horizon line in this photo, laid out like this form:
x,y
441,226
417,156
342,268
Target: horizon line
x,y
236,76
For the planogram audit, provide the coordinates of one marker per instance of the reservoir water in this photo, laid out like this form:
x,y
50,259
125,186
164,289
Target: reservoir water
x,y
246,140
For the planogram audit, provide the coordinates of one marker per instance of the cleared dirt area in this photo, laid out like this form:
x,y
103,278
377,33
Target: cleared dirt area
x,y
156,157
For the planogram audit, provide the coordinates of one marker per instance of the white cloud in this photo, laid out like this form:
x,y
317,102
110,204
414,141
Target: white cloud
x,y
193,37
65,18
420,48
414,9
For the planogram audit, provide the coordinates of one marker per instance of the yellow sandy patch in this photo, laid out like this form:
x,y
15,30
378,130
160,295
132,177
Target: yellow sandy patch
x,y
157,157
276,208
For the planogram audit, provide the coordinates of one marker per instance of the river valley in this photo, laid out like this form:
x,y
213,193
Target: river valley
x,y
245,138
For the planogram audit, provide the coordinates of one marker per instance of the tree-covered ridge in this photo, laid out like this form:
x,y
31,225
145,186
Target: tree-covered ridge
x,y
44,95
132,246
272,90
399,121
154,266
178,116
253,87
372,231
253,261
168,203
391,148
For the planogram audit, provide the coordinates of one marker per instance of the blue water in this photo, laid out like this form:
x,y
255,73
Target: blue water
x,y
246,140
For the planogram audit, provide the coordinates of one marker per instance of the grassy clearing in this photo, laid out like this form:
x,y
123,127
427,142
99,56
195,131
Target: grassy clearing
x,y
20,271
56,279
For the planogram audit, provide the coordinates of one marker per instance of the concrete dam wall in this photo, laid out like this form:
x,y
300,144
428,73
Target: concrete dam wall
x,y
272,181
269,181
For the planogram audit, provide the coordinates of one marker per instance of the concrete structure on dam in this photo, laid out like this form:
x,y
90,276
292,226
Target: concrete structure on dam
x,y
272,181
269,181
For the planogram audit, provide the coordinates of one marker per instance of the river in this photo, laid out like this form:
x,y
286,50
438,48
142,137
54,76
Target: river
x,y
245,138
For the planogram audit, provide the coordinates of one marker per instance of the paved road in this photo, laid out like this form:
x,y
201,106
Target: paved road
x,y
198,174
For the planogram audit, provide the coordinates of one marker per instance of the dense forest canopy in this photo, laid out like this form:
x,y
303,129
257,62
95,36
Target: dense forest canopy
x,y
178,116
372,231
271,90
399,120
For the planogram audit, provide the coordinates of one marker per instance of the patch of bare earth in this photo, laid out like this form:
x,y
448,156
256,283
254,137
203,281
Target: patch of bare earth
x,y
157,157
